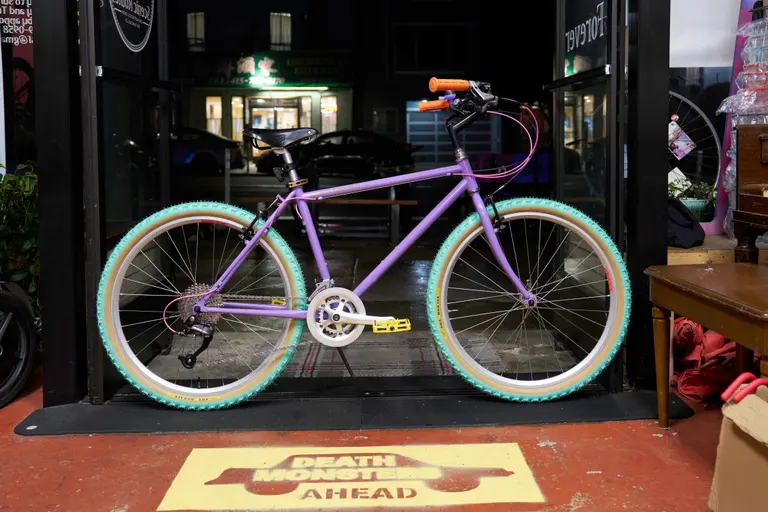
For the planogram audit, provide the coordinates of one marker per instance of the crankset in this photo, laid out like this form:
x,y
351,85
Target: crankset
x,y
336,317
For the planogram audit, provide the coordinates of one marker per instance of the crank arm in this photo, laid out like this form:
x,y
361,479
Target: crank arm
x,y
353,318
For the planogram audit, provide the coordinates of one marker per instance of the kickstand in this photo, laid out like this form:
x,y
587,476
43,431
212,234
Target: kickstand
x,y
346,363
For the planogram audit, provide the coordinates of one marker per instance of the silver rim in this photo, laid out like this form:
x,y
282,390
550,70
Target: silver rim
x,y
124,345
710,127
467,359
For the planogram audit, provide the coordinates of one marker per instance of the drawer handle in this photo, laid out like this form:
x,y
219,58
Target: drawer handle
x,y
764,148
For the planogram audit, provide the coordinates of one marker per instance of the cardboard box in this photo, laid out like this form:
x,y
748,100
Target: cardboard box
x,y
741,470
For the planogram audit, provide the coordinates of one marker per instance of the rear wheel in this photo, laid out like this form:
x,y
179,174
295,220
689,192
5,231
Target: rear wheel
x,y
147,290
512,350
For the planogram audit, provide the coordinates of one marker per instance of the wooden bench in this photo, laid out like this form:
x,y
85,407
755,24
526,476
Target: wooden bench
x,y
715,249
394,208
729,298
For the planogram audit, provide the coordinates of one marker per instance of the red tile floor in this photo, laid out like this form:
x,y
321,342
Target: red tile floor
x,y
589,467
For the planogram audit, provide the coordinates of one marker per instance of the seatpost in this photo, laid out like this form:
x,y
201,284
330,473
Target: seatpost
x,y
289,165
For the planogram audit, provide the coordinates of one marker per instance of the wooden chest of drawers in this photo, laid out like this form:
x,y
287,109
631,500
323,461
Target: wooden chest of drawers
x,y
751,213
752,164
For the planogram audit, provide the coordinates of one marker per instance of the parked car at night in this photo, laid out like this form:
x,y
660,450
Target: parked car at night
x,y
202,153
357,154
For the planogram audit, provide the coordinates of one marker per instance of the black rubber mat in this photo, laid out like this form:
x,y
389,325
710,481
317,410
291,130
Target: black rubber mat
x,y
351,413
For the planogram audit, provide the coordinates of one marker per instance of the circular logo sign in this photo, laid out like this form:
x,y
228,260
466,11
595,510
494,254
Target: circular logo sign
x,y
133,19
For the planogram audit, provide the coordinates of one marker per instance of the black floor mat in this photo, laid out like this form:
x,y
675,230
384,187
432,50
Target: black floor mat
x,y
344,413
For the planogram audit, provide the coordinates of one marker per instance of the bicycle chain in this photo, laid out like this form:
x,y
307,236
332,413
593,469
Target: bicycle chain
x,y
269,298
259,297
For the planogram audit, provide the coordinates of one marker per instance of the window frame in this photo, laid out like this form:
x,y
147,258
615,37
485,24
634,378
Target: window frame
x,y
282,39
196,41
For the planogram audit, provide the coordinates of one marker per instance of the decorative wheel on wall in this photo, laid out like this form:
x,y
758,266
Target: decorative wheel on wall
x,y
695,147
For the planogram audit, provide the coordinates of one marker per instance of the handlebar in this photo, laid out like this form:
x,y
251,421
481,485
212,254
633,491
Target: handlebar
x,y
444,84
428,106
477,100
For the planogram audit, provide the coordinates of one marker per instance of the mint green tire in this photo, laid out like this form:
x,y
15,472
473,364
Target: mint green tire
x,y
550,319
287,280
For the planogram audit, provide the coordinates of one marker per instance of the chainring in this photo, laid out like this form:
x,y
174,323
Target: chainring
x,y
320,317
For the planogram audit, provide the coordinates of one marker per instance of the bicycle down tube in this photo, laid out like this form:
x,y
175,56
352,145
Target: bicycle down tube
x,y
467,184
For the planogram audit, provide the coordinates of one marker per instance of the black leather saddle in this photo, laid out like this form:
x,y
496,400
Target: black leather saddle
x,y
280,138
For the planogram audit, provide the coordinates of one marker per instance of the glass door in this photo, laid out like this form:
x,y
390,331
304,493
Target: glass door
x,y
129,112
588,106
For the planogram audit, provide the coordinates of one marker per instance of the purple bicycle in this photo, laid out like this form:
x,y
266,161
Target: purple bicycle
x,y
203,304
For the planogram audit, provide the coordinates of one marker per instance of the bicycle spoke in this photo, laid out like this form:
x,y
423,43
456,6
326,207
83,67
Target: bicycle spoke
x,y
485,276
475,282
158,271
197,247
246,276
180,257
226,241
478,298
156,279
172,260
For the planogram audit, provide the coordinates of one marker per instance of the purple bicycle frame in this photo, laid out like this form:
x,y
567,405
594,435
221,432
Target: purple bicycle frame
x,y
297,195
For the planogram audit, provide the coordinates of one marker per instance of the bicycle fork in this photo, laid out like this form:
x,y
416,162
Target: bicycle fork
x,y
493,240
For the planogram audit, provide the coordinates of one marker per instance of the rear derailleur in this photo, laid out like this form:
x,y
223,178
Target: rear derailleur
x,y
193,328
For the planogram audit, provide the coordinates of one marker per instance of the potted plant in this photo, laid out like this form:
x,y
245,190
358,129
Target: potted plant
x,y
19,231
695,196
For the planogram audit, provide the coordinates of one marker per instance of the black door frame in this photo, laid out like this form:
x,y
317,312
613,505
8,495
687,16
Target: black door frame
x,y
60,168
646,203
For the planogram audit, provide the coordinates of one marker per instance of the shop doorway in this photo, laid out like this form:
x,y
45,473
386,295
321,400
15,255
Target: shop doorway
x,y
408,364
278,114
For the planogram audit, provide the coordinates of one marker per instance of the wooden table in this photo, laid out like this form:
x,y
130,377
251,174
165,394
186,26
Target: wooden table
x,y
729,298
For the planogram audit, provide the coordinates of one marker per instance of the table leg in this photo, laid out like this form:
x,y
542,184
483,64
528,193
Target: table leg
x,y
745,358
746,250
661,344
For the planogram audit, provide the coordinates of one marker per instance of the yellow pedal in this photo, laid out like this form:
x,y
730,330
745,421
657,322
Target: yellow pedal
x,y
387,326
278,302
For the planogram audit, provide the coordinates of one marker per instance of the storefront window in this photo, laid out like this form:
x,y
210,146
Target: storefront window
x,y
238,111
305,120
213,114
328,110
287,117
585,150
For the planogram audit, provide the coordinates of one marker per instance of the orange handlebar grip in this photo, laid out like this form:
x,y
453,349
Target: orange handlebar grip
x,y
441,84
426,106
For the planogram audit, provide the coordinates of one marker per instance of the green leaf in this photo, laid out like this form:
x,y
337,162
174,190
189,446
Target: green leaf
x,y
32,287
27,245
34,269
18,275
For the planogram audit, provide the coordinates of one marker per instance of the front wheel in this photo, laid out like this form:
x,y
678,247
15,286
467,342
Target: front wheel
x,y
520,352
